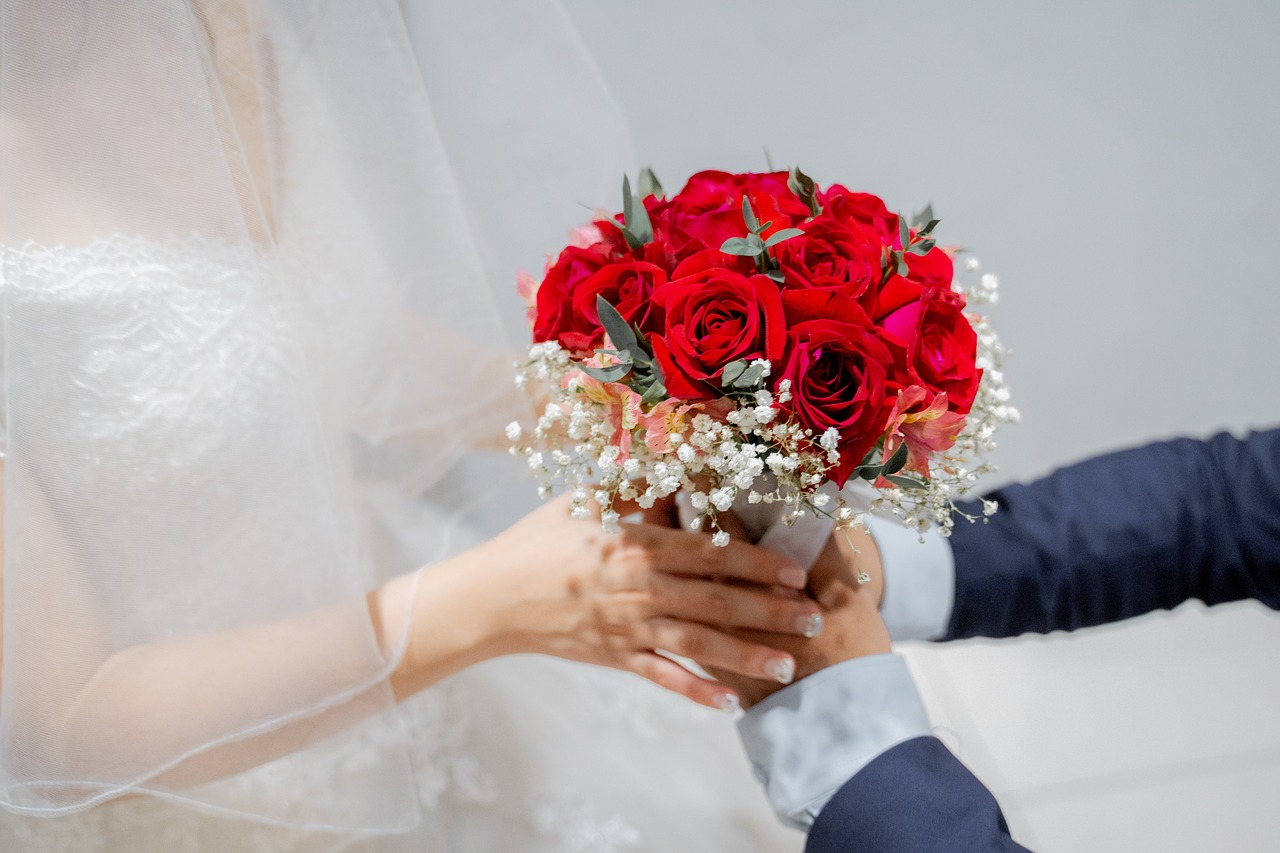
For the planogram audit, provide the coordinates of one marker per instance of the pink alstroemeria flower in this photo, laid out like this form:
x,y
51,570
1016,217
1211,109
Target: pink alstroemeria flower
x,y
925,429
527,286
620,403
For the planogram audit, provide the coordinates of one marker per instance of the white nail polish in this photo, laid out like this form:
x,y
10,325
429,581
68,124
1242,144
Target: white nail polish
x,y
781,670
727,702
810,625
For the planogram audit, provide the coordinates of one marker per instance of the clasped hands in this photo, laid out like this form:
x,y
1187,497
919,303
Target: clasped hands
x,y
750,617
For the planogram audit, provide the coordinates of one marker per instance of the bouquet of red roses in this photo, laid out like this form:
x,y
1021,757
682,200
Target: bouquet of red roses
x,y
757,337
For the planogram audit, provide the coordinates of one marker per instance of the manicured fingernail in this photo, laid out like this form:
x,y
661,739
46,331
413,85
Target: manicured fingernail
x,y
809,625
781,670
793,576
727,702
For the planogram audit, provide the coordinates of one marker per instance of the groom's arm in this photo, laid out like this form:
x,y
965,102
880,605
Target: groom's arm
x,y
1123,534
915,797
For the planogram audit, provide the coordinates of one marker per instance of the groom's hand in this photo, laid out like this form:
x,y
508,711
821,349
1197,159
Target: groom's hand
x,y
852,626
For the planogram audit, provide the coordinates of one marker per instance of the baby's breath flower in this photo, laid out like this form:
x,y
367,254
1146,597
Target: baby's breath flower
x,y
720,539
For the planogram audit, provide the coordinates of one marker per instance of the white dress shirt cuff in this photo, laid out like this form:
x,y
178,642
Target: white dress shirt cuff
x,y
805,741
919,580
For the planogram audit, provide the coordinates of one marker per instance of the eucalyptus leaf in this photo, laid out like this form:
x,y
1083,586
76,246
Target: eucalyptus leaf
x,y
756,244
737,246
649,183
777,276
632,240
805,189
928,228
654,394
607,374
904,482
785,234
751,377
749,215
904,230
897,461
636,216
618,328
902,264
734,369
922,217
628,202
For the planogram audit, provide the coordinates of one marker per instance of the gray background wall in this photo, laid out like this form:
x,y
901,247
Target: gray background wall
x,y
1115,163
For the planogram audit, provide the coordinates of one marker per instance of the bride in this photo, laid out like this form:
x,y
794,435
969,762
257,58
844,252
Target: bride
x,y
248,346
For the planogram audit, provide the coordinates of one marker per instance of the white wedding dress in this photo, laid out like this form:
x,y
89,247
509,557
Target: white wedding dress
x,y
523,754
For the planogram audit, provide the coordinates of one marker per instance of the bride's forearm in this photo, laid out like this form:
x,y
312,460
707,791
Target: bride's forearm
x,y
441,620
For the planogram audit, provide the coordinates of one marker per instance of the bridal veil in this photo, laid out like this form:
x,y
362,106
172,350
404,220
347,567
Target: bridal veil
x,y
243,290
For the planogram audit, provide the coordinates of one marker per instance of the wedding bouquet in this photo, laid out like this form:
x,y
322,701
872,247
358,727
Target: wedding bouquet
x,y
758,337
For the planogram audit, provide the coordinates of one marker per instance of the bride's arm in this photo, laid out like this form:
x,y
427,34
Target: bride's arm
x,y
548,585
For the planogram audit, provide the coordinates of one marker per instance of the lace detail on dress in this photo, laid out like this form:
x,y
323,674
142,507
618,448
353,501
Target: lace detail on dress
x,y
569,821
180,337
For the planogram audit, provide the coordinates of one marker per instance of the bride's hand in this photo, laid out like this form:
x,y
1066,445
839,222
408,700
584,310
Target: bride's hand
x,y
571,590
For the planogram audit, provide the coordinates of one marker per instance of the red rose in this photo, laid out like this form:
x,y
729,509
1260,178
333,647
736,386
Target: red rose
x,y
945,354
933,342
841,203
838,370
713,317
708,210
928,275
840,255
555,314
567,310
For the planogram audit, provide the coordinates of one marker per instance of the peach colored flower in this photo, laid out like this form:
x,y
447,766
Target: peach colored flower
x,y
664,420
527,286
621,406
926,429
586,236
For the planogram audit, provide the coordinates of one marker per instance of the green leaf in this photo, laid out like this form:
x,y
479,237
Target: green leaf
x,y
607,374
928,228
749,215
904,482
649,183
738,246
777,276
785,234
902,264
922,217
904,230
619,329
632,240
922,247
734,369
897,461
805,189
628,201
635,215
654,394
751,377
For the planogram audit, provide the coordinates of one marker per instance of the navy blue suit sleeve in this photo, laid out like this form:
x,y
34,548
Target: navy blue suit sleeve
x,y
1120,535
915,798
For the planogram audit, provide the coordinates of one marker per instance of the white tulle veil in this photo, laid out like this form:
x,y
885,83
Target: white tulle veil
x,y
249,280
